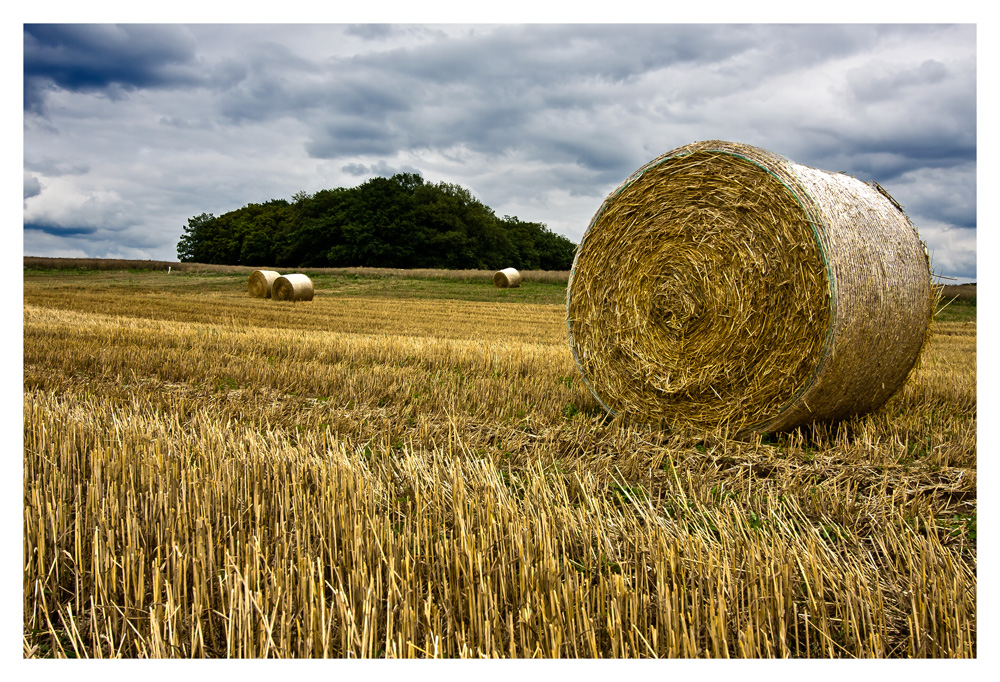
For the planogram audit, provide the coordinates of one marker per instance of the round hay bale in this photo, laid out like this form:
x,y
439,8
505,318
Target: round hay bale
x,y
293,287
260,283
722,285
508,278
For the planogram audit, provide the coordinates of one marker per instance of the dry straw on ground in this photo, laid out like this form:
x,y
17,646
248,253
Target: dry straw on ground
x,y
260,283
722,285
293,287
206,476
508,278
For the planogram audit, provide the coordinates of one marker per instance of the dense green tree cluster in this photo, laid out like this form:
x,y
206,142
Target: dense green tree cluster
x,y
397,222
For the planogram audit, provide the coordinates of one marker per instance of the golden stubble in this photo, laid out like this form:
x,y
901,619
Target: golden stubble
x,y
378,478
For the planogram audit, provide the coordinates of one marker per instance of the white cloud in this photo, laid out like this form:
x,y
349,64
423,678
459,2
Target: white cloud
x,y
952,251
64,205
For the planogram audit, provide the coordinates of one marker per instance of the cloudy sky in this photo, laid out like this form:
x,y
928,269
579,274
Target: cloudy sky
x,y
130,130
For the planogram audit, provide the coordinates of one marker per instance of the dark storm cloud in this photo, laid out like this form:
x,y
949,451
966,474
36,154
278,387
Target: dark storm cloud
x,y
886,156
890,156
595,153
268,82
867,86
946,195
542,55
61,230
477,90
510,61
356,169
91,58
483,91
355,136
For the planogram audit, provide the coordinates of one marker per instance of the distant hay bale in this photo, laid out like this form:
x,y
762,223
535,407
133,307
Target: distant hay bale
x,y
508,278
260,283
722,285
294,287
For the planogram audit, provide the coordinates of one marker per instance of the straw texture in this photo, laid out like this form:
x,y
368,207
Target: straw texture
x,y
260,283
293,287
508,278
722,285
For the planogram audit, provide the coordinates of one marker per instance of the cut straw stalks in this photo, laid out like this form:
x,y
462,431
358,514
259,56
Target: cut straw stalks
x,y
724,286
508,278
395,479
260,283
293,287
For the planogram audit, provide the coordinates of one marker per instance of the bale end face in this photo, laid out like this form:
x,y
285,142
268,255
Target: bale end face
x,y
293,287
261,282
508,278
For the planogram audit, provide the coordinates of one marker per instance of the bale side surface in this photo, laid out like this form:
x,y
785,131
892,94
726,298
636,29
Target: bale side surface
x,y
884,299
293,287
260,283
508,278
721,284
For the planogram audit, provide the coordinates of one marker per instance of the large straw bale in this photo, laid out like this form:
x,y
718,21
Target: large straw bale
x,y
293,287
260,283
508,278
722,285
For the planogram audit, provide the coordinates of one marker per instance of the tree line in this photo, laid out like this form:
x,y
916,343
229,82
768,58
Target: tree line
x,y
397,222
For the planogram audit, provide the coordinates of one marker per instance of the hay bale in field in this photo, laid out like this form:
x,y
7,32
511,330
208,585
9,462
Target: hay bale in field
x,y
723,285
260,283
508,278
293,287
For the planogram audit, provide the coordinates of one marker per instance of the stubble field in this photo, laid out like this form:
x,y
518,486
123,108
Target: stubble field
x,y
411,467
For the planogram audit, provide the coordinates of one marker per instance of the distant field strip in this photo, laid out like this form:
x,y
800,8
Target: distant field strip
x,y
409,317
370,364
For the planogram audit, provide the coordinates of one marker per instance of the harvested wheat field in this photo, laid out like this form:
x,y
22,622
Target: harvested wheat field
x,y
379,473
